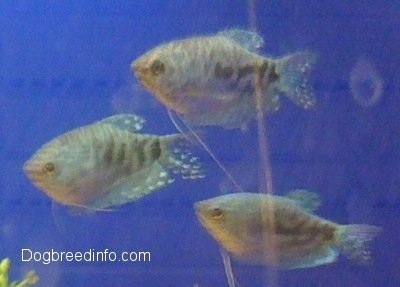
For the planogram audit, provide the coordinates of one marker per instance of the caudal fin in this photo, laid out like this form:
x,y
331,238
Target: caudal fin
x,y
353,241
179,159
294,71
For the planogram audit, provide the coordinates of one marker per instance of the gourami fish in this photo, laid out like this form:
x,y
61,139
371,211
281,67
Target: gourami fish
x,y
246,224
213,80
108,163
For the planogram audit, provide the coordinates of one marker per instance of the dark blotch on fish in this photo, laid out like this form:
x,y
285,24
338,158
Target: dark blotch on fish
x,y
243,71
286,228
155,149
273,76
263,68
121,154
223,72
328,232
141,157
247,89
108,153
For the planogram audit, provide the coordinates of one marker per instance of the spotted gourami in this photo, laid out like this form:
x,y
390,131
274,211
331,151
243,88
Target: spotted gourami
x,y
247,224
108,163
212,80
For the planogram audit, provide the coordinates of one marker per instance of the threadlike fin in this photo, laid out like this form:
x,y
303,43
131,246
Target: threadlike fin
x,y
294,71
226,259
204,145
353,240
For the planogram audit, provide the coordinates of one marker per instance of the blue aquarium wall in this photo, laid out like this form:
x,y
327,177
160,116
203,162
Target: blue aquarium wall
x,y
64,64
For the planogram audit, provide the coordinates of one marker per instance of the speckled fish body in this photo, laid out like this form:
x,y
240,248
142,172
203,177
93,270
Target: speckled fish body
x,y
212,80
247,224
108,163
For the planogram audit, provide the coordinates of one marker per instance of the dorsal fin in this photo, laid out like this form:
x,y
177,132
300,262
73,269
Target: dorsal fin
x,y
249,40
308,200
126,122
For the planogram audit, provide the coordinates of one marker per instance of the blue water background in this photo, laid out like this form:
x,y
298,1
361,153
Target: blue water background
x,y
64,64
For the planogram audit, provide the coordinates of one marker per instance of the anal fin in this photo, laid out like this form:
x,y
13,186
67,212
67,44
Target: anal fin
x,y
321,256
135,187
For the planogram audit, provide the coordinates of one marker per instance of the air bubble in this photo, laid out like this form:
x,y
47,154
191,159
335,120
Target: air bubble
x,y
366,85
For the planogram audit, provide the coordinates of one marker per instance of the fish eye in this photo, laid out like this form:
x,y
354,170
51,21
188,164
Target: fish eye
x,y
157,67
49,167
217,213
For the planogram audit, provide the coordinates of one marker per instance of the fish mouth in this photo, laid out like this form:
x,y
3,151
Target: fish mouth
x,y
141,73
32,173
134,67
196,207
139,69
29,168
199,208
